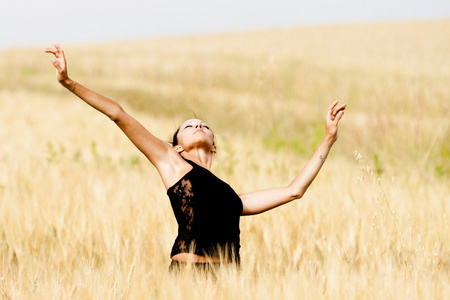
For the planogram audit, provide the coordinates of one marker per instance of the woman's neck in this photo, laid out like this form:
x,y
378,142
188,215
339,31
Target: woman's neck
x,y
201,158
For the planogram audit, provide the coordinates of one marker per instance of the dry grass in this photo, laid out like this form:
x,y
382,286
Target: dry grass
x,y
83,215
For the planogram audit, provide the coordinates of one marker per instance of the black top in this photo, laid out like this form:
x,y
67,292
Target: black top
x,y
207,211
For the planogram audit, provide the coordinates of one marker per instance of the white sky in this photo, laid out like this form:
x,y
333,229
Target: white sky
x,y
43,22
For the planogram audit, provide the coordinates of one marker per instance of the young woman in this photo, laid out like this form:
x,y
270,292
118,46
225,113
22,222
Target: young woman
x,y
207,209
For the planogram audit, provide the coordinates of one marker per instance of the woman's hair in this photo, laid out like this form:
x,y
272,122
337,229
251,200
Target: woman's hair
x,y
175,137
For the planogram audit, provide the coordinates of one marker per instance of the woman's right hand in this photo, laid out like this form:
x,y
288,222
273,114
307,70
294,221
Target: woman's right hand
x,y
332,119
59,62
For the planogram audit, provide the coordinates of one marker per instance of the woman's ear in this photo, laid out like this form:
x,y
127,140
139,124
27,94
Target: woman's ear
x,y
214,149
178,148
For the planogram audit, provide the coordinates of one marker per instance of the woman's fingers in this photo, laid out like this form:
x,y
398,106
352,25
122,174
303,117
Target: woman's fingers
x,y
333,111
59,62
339,112
59,55
336,110
334,115
57,51
339,109
339,116
332,106
50,50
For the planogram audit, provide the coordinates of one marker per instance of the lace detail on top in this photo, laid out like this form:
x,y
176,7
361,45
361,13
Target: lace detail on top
x,y
207,211
184,193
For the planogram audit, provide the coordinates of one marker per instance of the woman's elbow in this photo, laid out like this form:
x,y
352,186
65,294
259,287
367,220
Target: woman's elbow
x,y
116,113
296,193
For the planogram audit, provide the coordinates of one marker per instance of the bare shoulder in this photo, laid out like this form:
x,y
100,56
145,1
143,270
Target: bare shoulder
x,y
173,169
170,165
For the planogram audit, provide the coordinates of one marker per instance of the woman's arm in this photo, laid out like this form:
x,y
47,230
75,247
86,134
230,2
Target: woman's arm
x,y
161,154
264,200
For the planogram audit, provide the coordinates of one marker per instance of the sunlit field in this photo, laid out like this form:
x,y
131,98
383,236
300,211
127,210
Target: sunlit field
x,y
83,215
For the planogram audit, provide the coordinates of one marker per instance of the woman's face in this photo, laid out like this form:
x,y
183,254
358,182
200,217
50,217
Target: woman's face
x,y
195,133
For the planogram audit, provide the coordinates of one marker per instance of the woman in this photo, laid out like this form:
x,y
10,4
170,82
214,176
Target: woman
x,y
207,209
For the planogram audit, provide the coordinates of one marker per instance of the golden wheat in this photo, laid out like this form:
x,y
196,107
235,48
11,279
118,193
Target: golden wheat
x,y
84,215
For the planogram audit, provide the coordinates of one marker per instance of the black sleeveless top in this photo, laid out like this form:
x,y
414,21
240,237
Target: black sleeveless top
x,y
207,211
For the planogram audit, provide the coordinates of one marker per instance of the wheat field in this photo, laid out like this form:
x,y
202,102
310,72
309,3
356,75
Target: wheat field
x,y
83,215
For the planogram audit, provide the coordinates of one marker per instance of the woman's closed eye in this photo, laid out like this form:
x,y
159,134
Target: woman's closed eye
x,y
205,126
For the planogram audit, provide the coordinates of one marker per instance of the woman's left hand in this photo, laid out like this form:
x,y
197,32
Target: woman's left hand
x,y
60,64
332,119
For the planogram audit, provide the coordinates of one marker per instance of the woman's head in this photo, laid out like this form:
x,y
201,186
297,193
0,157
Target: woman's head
x,y
193,133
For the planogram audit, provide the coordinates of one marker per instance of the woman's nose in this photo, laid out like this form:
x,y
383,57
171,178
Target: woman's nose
x,y
199,125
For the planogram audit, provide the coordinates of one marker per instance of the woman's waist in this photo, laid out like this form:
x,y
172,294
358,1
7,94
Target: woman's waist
x,y
197,258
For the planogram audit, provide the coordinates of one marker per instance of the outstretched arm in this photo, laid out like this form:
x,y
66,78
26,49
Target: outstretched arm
x,y
264,200
103,104
161,154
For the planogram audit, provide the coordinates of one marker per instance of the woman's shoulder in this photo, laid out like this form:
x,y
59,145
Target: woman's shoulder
x,y
174,170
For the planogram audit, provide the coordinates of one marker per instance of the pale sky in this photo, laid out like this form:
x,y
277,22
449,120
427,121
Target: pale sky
x,y
42,22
